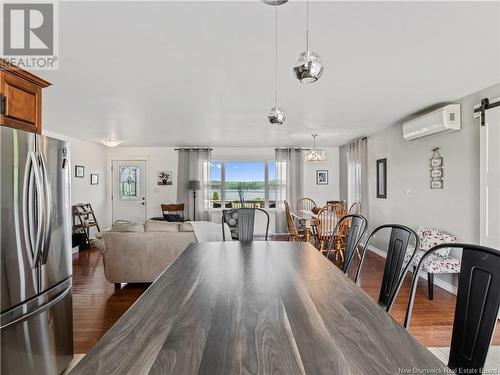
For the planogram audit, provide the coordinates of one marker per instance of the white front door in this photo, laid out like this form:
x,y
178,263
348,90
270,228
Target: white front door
x,y
129,190
490,179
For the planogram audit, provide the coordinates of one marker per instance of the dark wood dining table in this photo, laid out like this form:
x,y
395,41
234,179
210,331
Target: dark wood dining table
x,y
256,308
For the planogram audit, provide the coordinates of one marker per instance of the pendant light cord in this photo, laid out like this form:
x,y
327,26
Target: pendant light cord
x,y
307,25
276,55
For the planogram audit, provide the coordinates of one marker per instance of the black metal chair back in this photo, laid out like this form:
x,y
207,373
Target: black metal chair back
x,y
394,269
357,225
241,222
478,300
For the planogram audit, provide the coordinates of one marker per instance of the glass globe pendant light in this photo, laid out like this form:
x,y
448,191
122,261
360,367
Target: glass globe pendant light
x,y
276,116
309,67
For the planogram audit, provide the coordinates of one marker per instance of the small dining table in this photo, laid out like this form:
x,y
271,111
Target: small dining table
x,y
308,219
256,308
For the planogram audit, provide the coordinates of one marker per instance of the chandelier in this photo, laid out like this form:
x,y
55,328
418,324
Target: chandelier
x,y
315,155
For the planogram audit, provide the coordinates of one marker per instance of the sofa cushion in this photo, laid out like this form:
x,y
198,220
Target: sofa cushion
x,y
430,237
186,227
161,226
127,226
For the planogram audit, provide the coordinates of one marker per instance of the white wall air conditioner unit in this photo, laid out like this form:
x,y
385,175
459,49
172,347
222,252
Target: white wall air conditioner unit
x,y
442,120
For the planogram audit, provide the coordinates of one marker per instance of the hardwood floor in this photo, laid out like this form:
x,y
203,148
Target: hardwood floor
x,y
97,305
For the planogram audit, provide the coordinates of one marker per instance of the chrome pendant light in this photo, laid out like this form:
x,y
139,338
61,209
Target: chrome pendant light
x,y
276,116
315,155
309,67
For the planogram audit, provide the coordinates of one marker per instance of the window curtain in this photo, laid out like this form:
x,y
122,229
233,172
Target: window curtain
x,y
194,164
354,173
289,182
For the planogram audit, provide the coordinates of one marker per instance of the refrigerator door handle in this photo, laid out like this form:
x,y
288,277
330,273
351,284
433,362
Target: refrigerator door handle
x,y
47,213
40,309
32,175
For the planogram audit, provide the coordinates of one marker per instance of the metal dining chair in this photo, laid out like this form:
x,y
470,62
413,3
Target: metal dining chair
x,y
241,222
476,310
355,209
357,226
394,270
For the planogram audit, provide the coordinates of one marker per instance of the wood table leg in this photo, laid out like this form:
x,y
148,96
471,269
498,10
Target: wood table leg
x,y
307,234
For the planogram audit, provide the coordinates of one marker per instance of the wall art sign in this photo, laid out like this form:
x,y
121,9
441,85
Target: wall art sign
x,y
436,169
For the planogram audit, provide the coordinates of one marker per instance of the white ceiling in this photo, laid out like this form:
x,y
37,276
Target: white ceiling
x,y
201,73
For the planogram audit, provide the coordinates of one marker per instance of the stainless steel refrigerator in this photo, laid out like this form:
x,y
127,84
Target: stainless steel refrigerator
x,y
36,320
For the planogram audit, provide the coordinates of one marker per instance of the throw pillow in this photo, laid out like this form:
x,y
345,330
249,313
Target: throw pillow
x,y
161,226
172,218
127,226
430,237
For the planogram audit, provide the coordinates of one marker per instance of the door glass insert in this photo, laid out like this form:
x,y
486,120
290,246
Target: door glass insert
x,y
129,182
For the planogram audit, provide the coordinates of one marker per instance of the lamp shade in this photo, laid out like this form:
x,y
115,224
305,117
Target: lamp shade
x,y
194,185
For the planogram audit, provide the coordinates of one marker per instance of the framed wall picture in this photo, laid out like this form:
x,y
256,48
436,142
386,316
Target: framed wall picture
x,y
322,177
436,173
94,179
436,184
382,178
165,178
79,171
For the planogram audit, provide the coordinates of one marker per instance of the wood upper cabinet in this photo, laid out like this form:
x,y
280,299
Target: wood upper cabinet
x,y
21,98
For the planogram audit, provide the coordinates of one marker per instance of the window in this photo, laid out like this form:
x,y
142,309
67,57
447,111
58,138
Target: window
x,y
236,184
129,178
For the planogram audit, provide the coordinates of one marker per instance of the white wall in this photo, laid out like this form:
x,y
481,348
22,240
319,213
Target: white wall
x,y
323,193
158,158
93,157
410,200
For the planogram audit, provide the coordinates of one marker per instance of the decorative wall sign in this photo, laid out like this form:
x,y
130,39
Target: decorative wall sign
x,y
382,178
79,171
94,179
165,178
436,169
322,177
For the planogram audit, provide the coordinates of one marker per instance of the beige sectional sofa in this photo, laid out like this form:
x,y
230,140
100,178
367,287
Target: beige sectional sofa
x,y
138,253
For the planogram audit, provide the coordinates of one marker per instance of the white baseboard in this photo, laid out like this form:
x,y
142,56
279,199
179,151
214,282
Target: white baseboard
x,y
437,281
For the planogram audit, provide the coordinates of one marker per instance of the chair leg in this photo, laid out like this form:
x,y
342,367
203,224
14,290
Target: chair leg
x,y
430,285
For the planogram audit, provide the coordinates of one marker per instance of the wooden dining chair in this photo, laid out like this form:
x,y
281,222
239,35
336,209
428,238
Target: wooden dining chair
x,y
476,311
293,232
174,210
328,217
357,226
395,268
305,204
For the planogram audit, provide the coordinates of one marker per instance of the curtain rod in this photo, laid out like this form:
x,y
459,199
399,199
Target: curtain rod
x,y
193,148
485,105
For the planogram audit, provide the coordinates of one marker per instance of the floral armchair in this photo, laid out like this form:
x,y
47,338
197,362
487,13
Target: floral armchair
x,y
440,261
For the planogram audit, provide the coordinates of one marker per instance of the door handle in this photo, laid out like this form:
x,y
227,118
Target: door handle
x,y
3,104
31,175
47,211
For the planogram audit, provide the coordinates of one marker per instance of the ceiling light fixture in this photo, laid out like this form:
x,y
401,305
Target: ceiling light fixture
x,y
315,155
110,142
309,67
276,116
